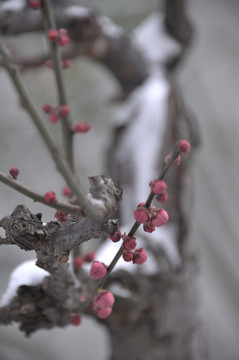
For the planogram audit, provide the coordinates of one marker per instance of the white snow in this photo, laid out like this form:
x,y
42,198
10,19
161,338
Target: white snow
x,y
146,113
12,5
77,11
109,27
26,273
152,39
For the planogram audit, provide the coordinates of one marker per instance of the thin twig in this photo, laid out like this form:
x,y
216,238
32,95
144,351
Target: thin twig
x,y
57,67
63,166
23,189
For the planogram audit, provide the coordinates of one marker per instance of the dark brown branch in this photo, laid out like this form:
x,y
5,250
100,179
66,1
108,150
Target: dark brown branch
x,y
92,35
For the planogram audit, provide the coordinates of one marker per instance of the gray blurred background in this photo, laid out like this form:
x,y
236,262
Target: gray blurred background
x,y
208,79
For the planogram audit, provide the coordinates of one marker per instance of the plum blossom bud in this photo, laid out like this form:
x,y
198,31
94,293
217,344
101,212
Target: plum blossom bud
x,y
89,257
149,227
66,191
177,161
78,262
14,172
162,197
75,319
127,255
141,214
103,313
64,110
63,38
35,4
168,158
46,108
50,197
140,256
158,186
104,299
159,217
129,242
52,34
61,216
98,270
184,146
53,117
116,237
81,127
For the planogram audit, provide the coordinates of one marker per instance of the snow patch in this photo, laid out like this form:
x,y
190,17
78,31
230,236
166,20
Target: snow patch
x,y
145,112
13,5
152,39
77,11
26,273
109,27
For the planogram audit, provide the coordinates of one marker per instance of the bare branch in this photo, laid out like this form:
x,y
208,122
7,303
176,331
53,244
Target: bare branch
x,y
23,189
62,165
91,34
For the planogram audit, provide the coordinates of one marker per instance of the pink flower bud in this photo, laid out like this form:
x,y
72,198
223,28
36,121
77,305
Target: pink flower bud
x,y
158,186
177,161
63,40
149,227
35,4
53,117
67,191
129,242
104,299
64,110
140,256
98,270
89,257
116,237
159,217
61,216
184,146
168,158
81,127
52,34
14,172
75,319
46,108
50,197
141,214
127,255
78,262
63,32
67,63
162,197
103,313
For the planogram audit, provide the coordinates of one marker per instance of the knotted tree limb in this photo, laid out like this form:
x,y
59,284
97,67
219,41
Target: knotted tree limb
x,y
54,241
49,304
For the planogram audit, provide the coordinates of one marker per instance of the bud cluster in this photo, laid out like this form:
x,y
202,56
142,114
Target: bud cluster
x,y
137,256
54,112
60,36
103,303
80,260
66,64
150,217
